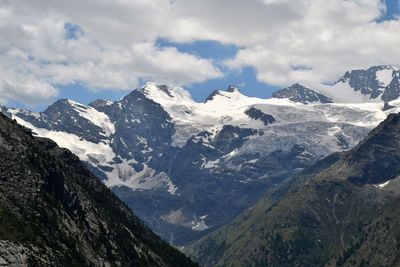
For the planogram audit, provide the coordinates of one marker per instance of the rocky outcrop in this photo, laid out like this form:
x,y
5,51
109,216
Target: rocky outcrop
x,y
377,82
300,94
12,254
257,114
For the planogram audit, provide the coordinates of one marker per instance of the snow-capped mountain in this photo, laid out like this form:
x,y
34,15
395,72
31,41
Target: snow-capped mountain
x,y
301,94
186,167
376,84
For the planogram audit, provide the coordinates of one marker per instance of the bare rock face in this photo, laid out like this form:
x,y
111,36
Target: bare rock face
x,y
372,82
54,212
12,254
301,94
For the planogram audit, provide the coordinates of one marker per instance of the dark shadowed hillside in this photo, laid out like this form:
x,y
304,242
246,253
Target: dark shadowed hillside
x,y
54,212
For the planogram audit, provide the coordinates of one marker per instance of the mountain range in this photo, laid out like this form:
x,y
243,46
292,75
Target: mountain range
x,y
343,211
187,168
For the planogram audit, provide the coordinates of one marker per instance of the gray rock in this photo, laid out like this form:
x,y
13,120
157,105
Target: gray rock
x,y
301,94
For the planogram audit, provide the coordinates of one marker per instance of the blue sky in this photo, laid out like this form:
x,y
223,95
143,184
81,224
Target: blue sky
x,y
253,76
393,9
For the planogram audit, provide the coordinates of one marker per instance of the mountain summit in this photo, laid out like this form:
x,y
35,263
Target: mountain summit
x,y
301,94
372,85
230,89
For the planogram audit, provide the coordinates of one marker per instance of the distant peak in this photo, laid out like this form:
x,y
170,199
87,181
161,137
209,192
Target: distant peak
x,y
162,94
297,85
62,101
62,105
212,95
58,106
164,88
301,94
376,83
368,71
100,103
232,88
344,78
155,89
66,102
384,67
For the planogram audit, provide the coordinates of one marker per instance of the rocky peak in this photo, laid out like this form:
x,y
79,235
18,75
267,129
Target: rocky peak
x,y
60,104
299,93
165,89
157,90
212,95
374,82
100,104
63,108
232,88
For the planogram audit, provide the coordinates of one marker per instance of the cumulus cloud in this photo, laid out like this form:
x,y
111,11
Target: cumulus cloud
x,y
330,37
100,44
113,44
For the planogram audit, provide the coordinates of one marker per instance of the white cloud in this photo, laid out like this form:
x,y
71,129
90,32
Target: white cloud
x,y
332,36
116,47
287,41
241,22
25,90
309,41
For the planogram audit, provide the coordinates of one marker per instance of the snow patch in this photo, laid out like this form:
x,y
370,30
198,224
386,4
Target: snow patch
x,y
94,116
384,77
382,185
124,174
334,130
200,225
342,92
96,154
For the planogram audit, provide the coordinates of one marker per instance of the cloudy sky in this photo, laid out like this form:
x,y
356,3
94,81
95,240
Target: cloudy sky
x,y
86,49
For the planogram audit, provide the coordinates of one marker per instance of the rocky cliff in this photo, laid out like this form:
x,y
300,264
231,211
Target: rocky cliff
x,y
54,212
